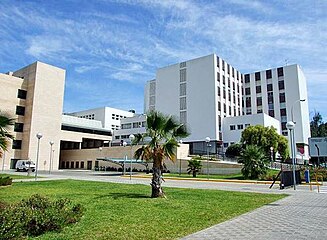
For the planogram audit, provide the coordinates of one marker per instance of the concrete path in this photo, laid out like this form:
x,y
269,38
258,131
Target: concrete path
x,y
302,215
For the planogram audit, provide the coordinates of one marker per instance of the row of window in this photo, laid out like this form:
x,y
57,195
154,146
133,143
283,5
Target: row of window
x,y
239,126
230,109
72,164
281,86
257,75
229,68
229,82
133,125
270,97
89,116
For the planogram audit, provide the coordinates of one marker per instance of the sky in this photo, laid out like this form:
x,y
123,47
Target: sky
x,y
111,48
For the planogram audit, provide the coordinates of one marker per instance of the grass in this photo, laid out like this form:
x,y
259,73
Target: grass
x,y
14,176
122,211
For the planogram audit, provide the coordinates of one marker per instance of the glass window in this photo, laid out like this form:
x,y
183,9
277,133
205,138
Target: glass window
x,y
21,94
248,102
280,72
182,89
281,97
183,117
217,61
258,89
182,76
247,91
271,113
257,76
247,78
281,85
268,74
269,87
283,112
126,126
259,101
270,97
20,110
232,127
218,90
17,144
182,103
19,127
240,126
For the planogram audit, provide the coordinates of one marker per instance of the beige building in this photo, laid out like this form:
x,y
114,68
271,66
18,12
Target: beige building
x,y
34,96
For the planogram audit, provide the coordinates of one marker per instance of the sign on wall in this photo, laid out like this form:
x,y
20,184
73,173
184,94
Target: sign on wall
x,y
318,144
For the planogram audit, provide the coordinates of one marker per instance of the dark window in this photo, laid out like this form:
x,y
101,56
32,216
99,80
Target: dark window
x,y
248,102
283,112
240,126
71,164
230,110
247,91
233,74
271,113
258,89
218,77
82,164
224,93
228,82
268,74
259,111
269,87
237,74
281,85
228,68
232,127
219,106
224,108
223,63
218,89
257,76
21,94
217,61
77,164
270,97
20,110
284,126
282,97
19,127
229,96
280,72
259,101
247,78
17,144
223,79
233,85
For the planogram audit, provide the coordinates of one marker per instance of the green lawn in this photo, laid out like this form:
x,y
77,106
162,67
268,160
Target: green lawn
x,y
14,176
122,211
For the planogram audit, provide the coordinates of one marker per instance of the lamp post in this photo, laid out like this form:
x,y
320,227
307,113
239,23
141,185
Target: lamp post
x,y
100,149
180,160
51,155
131,138
272,155
207,139
290,126
39,136
124,144
299,100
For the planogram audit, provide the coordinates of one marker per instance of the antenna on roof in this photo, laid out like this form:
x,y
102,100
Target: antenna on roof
x,y
286,62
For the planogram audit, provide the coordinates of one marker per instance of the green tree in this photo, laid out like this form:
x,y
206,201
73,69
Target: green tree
x,y
5,123
194,166
265,138
234,150
163,133
317,126
254,162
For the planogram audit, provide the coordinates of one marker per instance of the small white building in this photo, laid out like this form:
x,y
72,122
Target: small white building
x,y
110,117
233,126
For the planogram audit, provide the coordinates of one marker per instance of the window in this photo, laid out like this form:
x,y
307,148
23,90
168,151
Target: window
x,y
218,77
271,113
230,110
21,94
259,111
224,93
270,97
182,76
281,85
247,91
218,90
233,85
225,145
247,125
282,97
219,106
283,112
223,79
259,101
182,117
136,125
77,164
240,126
268,74
17,144
228,80
269,87
182,103
232,127
228,71
182,65
217,61
248,111
284,126
19,127
233,74
248,102
257,76
229,96
126,126
280,72
182,89
247,78
20,110
71,164
258,89
82,164
223,63
225,108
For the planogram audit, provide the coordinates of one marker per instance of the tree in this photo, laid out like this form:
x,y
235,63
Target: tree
x,y
234,150
317,126
5,122
194,166
163,133
265,137
254,162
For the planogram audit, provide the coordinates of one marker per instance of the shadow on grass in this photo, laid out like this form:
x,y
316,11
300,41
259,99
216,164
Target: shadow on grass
x,y
124,195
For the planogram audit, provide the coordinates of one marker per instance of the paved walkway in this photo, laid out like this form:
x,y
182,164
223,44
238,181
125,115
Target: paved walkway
x,y
302,215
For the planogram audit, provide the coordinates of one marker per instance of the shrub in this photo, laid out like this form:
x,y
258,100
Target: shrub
x,y
194,166
234,150
255,162
35,216
4,181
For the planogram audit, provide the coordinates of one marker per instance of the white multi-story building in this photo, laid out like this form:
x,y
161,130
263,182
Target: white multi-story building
x,y
202,91
110,117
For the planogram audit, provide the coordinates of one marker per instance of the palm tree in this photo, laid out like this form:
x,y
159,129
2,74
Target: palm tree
x,y
255,162
194,166
5,122
162,133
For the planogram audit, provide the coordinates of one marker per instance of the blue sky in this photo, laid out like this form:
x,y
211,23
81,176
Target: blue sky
x,y
111,48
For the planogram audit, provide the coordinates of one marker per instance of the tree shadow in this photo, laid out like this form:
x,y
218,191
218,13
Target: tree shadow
x,y
124,195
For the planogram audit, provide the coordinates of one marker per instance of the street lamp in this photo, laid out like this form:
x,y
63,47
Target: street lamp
x,y
290,126
51,155
299,100
207,139
100,149
124,144
39,136
131,138
272,155
180,160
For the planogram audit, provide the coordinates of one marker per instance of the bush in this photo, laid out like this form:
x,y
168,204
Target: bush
x,y
35,216
234,150
254,162
4,181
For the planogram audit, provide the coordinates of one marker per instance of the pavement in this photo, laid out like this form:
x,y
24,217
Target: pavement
x,y
301,215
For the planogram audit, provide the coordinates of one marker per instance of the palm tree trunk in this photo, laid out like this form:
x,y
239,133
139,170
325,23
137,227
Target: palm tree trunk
x,y
156,183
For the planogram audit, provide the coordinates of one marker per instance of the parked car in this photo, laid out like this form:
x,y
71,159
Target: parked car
x,y
24,165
